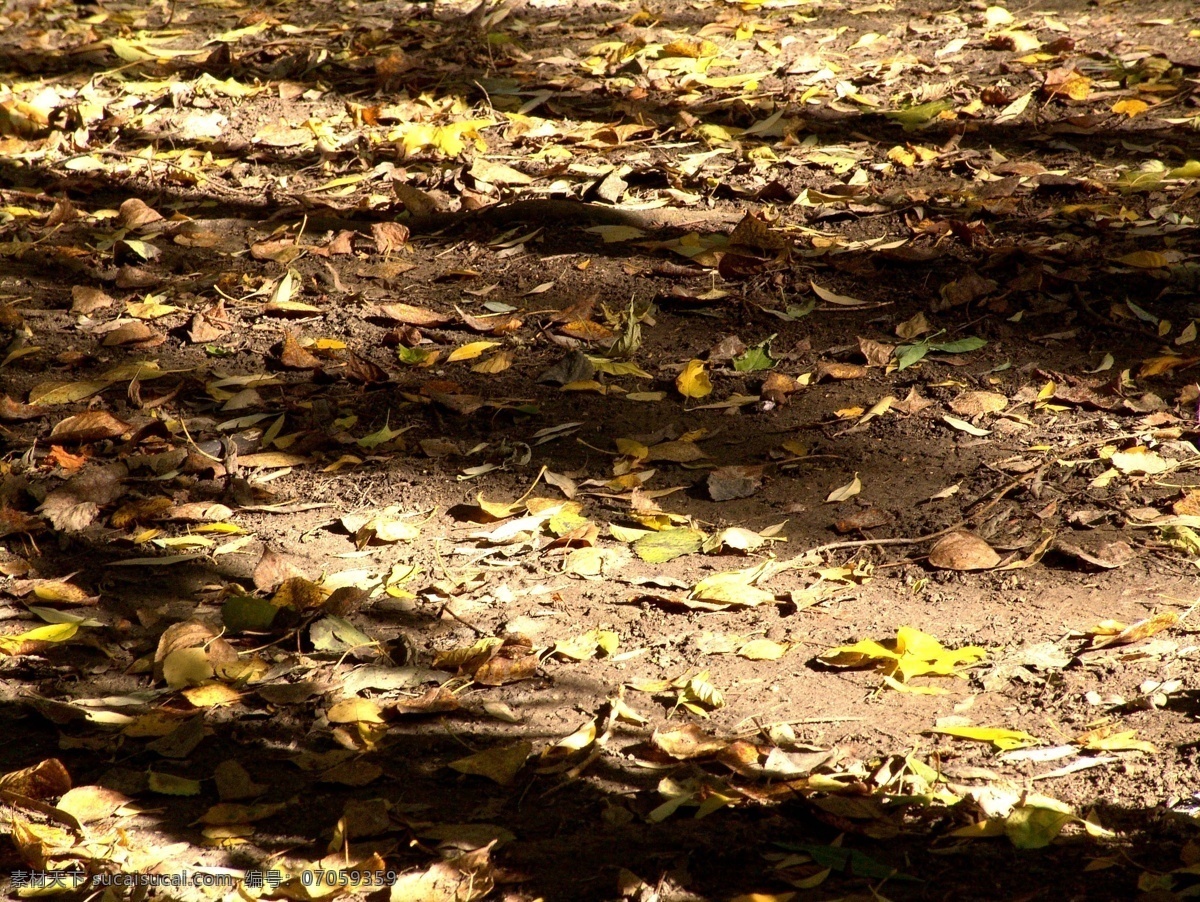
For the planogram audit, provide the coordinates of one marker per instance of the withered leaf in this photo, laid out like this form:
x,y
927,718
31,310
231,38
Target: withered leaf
x,y
295,356
74,505
962,550
389,236
409,315
13,411
89,426
135,213
136,333
436,701
728,483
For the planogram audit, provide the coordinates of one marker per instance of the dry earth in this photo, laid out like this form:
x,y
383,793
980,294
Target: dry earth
x,y
272,507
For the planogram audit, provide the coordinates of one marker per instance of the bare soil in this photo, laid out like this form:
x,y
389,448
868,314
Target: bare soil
x,y
1018,233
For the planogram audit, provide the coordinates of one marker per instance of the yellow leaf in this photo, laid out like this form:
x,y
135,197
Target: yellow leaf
x,y
763,650
849,490
497,363
1130,107
1002,738
500,764
693,382
149,309
54,632
470,351
1144,260
355,710
1116,742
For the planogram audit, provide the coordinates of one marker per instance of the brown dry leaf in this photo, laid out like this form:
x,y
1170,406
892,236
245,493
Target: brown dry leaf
x,y
134,334
687,742
61,592
85,299
840,371
363,371
63,459
1067,82
963,291
389,236
415,201
777,386
299,594
13,411
295,356
497,324
45,780
586,330
877,353
962,550
437,700
1102,555
75,505
409,315
678,452
208,325
868,518
135,213
756,233
974,403
89,426
274,567
143,511
576,312
913,403
1188,505
505,668
467,878
92,803
729,483
912,328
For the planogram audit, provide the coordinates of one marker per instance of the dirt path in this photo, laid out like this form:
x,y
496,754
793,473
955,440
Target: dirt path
x,y
570,451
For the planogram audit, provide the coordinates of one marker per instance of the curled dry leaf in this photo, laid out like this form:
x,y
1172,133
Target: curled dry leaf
x,y
877,353
962,550
687,742
89,426
134,334
1135,632
389,236
840,371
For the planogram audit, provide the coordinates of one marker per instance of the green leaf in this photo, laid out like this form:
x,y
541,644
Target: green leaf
x,y
245,612
660,547
1036,826
754,359
958,347
414,356
907,355
920,114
